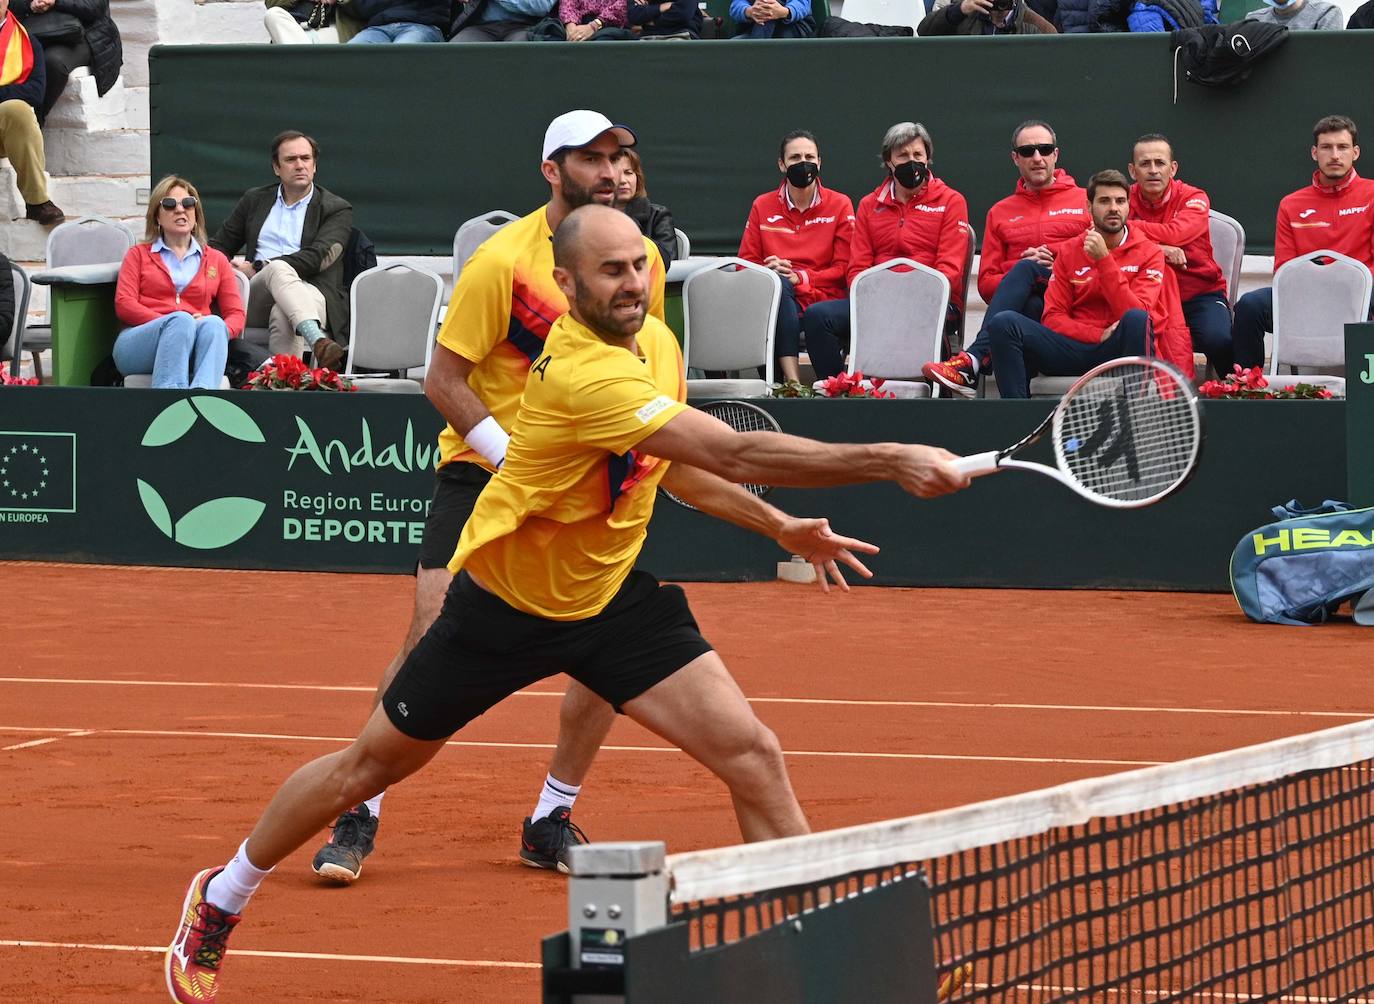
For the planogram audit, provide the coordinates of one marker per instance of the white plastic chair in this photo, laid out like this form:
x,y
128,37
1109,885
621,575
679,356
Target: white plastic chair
x,y
12,348
1228,250
729,313
897,323
394,310
473,233
1313,303
257,336
684,247
904,13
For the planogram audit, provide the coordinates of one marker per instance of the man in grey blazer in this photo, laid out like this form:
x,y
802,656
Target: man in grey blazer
x,y
293,235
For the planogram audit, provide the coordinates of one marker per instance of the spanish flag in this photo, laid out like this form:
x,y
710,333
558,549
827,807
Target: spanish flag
x,y
16,52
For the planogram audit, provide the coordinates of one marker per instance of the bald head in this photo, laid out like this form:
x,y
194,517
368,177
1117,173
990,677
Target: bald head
x,y
601,264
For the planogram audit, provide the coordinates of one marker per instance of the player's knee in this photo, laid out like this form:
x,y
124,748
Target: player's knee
x,y
760,754
1002,328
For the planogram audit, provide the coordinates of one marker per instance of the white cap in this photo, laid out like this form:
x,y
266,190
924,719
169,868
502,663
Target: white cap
x,y
573,129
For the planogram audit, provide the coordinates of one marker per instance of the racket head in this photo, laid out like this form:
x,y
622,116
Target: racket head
x,y
1128,433
742,417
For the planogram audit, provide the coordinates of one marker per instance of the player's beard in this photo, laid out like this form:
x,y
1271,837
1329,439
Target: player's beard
x,y
576,195
602,318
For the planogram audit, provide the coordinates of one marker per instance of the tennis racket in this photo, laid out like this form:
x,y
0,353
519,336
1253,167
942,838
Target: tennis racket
x,y
742,417
1126,434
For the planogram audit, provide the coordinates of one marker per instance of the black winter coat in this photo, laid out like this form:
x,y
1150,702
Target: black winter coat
x,y
102,35
6,300
431,12
656,223
1363,16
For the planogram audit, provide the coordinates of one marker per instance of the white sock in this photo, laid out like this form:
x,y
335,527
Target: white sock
x,y
232,888
555,793
973,361
374,805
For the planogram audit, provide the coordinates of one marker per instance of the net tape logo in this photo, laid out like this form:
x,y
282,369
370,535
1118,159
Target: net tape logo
x,y
38,471
216,522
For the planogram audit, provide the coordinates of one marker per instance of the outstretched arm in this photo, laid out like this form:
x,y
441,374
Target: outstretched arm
x,y
811,538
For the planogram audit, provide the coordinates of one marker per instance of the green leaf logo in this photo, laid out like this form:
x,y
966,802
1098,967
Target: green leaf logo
x,y
155,507
218,523
229,418
174,422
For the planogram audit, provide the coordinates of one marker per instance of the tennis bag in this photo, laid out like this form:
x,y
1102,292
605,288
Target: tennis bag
x,y
1300,569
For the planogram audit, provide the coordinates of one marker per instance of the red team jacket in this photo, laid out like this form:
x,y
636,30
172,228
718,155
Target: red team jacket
x,y
1340,219
1085,297
1028,218
816,240
1181,219
145,290
931,228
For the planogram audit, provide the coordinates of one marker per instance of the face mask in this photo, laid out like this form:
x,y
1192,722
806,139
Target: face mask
x,y
802,173
912,174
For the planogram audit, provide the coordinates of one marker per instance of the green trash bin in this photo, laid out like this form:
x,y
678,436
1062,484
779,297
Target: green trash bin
x,y
84,326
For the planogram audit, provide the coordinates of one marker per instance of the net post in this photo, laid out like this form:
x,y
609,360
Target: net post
x,y
617,891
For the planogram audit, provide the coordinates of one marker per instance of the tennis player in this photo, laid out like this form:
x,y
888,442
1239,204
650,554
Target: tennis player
x,y
545,579
500,314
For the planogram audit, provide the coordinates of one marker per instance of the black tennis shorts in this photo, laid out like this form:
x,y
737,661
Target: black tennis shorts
x,y
481,650
456,487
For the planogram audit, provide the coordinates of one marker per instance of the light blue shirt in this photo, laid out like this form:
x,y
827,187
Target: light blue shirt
x,y
281,231
182,270
515,10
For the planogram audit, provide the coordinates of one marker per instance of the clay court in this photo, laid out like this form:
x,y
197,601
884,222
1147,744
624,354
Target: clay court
x,y
148,714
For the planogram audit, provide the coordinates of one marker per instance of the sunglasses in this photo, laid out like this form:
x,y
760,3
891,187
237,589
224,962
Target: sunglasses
x,y
1030,149
186,203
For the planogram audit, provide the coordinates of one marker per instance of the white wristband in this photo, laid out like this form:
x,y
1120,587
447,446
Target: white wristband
x,y
489,439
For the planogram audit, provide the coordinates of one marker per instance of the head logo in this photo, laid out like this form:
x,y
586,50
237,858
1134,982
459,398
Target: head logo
x,y
216,522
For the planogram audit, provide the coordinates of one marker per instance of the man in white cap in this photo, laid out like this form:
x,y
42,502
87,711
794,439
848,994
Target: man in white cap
x,y
494,329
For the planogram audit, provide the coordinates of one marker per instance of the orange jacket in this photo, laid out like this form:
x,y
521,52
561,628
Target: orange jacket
x,y
145,291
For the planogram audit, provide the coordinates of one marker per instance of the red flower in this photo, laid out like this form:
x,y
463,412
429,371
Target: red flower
x,y
16,381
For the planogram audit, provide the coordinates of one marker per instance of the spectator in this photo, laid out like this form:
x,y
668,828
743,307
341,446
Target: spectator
x,y
1363,16
668,19
293,235
1110,295
1047,207
632,197
1330,213
307,22
1299,15
22,82
984,17
1177,216
771,19
499,20
167,287
73,33
912,214
583,19
7,301
802,231
1074,16
401,21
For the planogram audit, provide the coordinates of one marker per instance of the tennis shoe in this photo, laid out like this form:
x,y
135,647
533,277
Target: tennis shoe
x,y
544,843
341,860
956,373
194,957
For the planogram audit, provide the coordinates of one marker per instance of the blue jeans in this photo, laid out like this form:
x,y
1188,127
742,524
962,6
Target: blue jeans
x,y
1254,316
401,31
826,326
1021,348
1209,322
1021,290
178,350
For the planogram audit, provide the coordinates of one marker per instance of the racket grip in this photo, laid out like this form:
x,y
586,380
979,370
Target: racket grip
x,y
976,464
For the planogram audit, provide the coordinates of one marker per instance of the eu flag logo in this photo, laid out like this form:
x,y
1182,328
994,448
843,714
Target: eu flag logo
x,y
38,471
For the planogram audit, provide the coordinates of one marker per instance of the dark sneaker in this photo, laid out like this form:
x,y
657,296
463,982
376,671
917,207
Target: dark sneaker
x,y
193,959
544,843
45,213
956,374
341,860
327,353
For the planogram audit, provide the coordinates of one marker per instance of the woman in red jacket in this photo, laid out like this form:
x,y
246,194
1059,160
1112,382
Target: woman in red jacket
x,y
167,286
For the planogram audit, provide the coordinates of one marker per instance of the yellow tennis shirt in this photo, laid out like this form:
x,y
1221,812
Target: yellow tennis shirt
x,y
558,529
501,311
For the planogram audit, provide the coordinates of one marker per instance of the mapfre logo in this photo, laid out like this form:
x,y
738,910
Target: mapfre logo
x,y
1066,212
1353,210
923,208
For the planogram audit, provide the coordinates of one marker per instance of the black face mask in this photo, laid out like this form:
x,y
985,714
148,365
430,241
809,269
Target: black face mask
x,y
912,174
803,173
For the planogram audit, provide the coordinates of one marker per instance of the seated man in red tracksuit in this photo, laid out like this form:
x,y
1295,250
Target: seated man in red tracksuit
x,y
1110,295
1047,207
912,214
802,231
1335,212
1177,216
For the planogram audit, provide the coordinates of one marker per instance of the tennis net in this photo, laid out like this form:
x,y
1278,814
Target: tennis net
x,y
1241,876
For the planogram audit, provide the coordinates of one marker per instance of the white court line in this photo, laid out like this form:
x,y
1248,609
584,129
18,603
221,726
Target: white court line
x,y
822,701
278,737
322,956
1040,989
67,734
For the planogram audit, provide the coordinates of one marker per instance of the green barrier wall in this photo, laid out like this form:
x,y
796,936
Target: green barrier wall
x,y
420,138
326,482
1359,412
